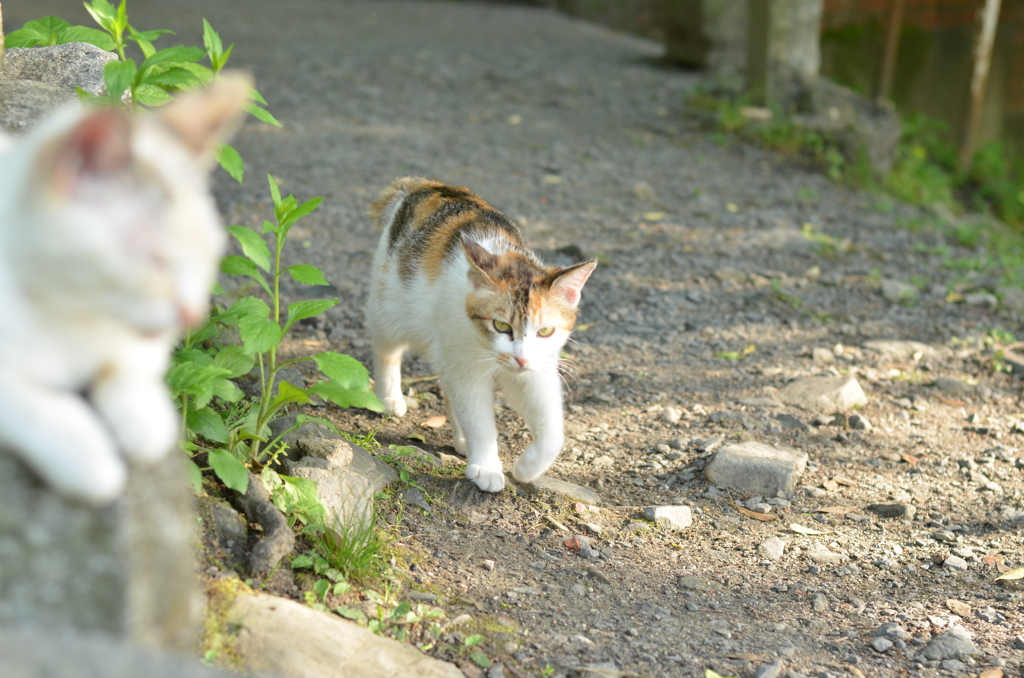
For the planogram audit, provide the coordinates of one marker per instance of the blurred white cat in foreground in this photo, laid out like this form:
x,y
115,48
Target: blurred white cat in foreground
x,y
109,244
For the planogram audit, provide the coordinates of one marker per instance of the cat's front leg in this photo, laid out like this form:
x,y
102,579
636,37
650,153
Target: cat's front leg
x,y
471,403
131,397
387,378
537,397
61,438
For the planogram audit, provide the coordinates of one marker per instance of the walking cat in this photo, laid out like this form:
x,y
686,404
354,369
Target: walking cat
x,y
452,280
109,244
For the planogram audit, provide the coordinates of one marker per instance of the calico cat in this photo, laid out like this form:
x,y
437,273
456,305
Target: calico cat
x,y
109,244
452,280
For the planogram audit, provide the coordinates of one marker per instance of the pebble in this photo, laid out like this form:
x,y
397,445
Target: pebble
x,y
819,603
949,645
820,554
671,415
772,548
890,630
769,670
955,563
672,517
893,510
881,644
489,565
859,422
592,528
958,608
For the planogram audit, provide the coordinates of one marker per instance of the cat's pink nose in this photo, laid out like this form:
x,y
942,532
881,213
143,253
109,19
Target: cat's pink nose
x,y
522,361
188,317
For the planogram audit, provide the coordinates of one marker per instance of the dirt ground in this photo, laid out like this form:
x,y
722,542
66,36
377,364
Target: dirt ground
x,y
725,272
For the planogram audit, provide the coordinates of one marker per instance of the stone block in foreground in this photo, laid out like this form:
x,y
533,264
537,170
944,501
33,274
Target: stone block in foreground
x,y
279,637
824,393
756,468
672,517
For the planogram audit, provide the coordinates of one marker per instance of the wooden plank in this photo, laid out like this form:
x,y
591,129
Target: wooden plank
x,y
883,83
759,14
988,20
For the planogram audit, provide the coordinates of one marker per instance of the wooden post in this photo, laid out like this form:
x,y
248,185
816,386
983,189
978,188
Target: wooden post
x,y
883,83
988,21
759,13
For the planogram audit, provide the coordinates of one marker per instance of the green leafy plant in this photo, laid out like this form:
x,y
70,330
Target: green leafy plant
x,y
202,369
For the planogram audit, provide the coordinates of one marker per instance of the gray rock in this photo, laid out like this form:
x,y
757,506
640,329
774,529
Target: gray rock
x,y
671,415
859,422
898,291
251,386
373,469
755,467
819,603
126,570
413,497
955,563
32,652
772,548
898,351
23,103
672,517
66,66
856,125
769,670
337,453
276,636
820,554
890,630
226,522
905,511
347,496
824,393
954,666
791,423
693,583
1011,298
953,386
549,485
880,644
986,299
955,642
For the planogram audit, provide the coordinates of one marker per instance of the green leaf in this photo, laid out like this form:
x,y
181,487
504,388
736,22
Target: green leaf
x,y
474,639
103,13
246,306
302,210
119,76
172,54
259,335
262,114
275,192
307,274
303,561
1016,573
148,36
39,32
86,34
231,161
207,423
234,359
194,475
287,393
353,613
231,471
480,659
253,94
225,389
298,497
173,78
253,245
236,265
148,94
344,397
321,587
344,370
204,75
307,309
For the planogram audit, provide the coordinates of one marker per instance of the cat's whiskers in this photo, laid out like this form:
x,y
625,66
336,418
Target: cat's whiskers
x,y
566,368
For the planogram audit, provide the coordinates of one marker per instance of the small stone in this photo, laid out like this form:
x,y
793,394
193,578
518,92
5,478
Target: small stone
x,y
824,393
592,528
692,606
950,644
953,386
546,484
413,497
905,511
496,671
859,422
990,615
890,630
943,535
819,603
673,517
954,666
769,670
671,415
756,467
822,356
791,423
820,554
898,291
955,563
643,191
662,448
986,299
489,565
578,590
772,548
958,608
881,644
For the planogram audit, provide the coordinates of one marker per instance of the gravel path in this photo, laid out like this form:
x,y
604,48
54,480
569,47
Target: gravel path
x,y
707,247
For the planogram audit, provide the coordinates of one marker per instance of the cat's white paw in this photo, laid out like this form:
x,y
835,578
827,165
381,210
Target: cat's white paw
x,y
396,407
487,479
527,468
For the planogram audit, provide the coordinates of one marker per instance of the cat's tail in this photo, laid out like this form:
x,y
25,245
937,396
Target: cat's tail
x,y
384,208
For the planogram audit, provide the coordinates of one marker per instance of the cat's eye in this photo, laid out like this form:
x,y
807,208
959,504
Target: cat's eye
x,y
545,332
505,328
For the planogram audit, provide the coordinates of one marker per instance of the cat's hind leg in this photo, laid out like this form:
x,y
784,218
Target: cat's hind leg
x,y
387,377
458,436
61,438
537,397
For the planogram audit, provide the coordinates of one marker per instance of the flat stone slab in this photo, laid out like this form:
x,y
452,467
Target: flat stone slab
x,y
824,393
563,488
67,66
347,495
281,637
672,517
756,468
950,644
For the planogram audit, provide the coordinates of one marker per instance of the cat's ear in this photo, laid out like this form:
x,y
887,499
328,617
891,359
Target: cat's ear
x,y
101,143
203,120
568,282
481,262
